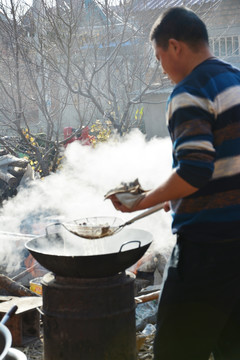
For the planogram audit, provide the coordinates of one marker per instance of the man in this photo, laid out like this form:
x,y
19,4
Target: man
x,y
200,301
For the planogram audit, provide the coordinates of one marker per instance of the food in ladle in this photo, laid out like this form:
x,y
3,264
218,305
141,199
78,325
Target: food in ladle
x,y
92,231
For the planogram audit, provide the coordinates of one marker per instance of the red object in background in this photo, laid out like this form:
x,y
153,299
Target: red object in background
x,y
84,138
67,131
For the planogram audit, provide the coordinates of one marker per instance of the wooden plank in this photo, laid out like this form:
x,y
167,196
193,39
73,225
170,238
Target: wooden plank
x,y
23,303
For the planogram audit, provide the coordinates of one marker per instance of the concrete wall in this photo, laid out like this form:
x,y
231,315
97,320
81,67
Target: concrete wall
x,y
154,105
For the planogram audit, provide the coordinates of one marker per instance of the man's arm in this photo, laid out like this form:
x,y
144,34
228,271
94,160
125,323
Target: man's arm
x,y
173,188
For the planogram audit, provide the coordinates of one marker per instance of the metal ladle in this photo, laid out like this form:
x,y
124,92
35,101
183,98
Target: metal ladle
x,y
88,231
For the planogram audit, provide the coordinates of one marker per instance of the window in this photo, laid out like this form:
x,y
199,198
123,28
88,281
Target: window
x,y
222,46
225,46
235,45
229,45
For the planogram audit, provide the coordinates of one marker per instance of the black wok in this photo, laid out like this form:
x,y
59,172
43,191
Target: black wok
x,y
71,257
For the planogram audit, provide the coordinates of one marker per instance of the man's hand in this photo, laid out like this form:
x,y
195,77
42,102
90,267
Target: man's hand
x,y
118,205
167,206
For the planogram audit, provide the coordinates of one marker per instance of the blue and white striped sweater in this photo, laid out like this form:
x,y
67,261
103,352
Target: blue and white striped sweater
x,y
204,123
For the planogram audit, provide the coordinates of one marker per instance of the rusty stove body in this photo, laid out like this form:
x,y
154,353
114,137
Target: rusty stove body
x,y
89,319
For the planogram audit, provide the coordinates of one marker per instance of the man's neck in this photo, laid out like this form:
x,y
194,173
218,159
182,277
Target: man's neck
x,y
193,59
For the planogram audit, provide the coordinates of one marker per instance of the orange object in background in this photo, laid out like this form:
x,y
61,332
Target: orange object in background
x,y
146,257
33,267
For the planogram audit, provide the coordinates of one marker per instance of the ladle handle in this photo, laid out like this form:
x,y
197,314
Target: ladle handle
x,y
9,314
145,213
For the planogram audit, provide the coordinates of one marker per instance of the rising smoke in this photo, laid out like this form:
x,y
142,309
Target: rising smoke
x,y
78,189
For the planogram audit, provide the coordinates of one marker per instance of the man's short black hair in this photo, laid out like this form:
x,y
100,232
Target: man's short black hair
x,y
181,24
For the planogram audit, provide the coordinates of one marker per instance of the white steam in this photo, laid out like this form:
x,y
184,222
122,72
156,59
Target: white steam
x,y
78,189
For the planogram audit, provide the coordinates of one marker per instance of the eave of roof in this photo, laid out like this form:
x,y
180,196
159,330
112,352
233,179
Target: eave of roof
x,y
141,5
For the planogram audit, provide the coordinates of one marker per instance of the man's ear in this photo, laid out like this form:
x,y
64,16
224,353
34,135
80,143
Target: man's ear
x,y
175,45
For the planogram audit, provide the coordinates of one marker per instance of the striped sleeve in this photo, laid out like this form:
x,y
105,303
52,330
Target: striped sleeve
x,y
190,124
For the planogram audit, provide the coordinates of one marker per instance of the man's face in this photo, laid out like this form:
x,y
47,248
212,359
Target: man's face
x,y
168,59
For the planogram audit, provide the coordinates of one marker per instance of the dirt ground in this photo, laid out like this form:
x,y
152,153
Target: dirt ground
x,y
34,351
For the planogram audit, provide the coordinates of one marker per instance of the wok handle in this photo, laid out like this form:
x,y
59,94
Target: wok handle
x,y
9,314
128,242
150,211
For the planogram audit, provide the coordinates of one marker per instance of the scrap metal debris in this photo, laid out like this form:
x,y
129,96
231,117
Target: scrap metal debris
x,y
14,173
146,350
